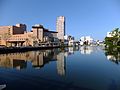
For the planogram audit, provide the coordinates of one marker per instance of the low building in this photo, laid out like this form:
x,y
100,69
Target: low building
x,y
86,40
69,40
44,36
8,31
12,30
18,36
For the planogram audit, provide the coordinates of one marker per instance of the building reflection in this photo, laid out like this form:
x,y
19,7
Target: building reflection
x,y
61,64
86,49
19,64
38,59
61,59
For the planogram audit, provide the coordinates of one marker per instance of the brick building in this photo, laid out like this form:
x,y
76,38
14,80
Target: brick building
x,y
18,35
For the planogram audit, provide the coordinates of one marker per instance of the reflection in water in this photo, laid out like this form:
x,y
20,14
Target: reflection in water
x,y
2,86
61,64
40,58
19,64
37,58
42,70
88,49
113,55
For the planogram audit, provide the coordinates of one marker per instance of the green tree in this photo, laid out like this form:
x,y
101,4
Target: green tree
x,y
113,41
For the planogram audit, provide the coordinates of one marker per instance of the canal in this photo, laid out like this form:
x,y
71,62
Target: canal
x,y
78,68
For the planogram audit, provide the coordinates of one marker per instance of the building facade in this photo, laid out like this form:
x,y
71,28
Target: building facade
x,y
86,40
8,31
12,30
60,27
69,40
18,35
43,35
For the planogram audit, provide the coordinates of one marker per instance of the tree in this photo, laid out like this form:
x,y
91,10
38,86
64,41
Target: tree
x,y
108,41
113,41
116,33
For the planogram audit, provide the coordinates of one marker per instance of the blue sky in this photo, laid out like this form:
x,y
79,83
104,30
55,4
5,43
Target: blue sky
x,y
83,17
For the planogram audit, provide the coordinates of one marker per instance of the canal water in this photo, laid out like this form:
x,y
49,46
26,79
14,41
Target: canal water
x,y
78,68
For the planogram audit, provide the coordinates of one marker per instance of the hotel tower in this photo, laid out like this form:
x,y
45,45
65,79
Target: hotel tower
x,y
60,27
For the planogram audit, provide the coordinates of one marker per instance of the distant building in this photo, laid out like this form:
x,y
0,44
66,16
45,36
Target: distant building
x,y
87,40
109,34
69,40
60,27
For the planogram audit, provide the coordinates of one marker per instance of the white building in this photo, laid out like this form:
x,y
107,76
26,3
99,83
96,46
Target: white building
x,y
109,34
86,39
69,40
60,27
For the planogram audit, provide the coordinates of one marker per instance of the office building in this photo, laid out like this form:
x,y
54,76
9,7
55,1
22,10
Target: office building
x,y
60,27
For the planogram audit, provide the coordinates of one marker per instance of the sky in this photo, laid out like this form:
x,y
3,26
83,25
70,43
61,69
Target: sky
x,y
83,17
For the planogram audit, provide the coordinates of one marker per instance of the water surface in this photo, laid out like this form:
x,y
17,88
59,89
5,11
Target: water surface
x,y
80,68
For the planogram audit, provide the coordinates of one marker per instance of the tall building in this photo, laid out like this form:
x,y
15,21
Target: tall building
x,y
60,27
